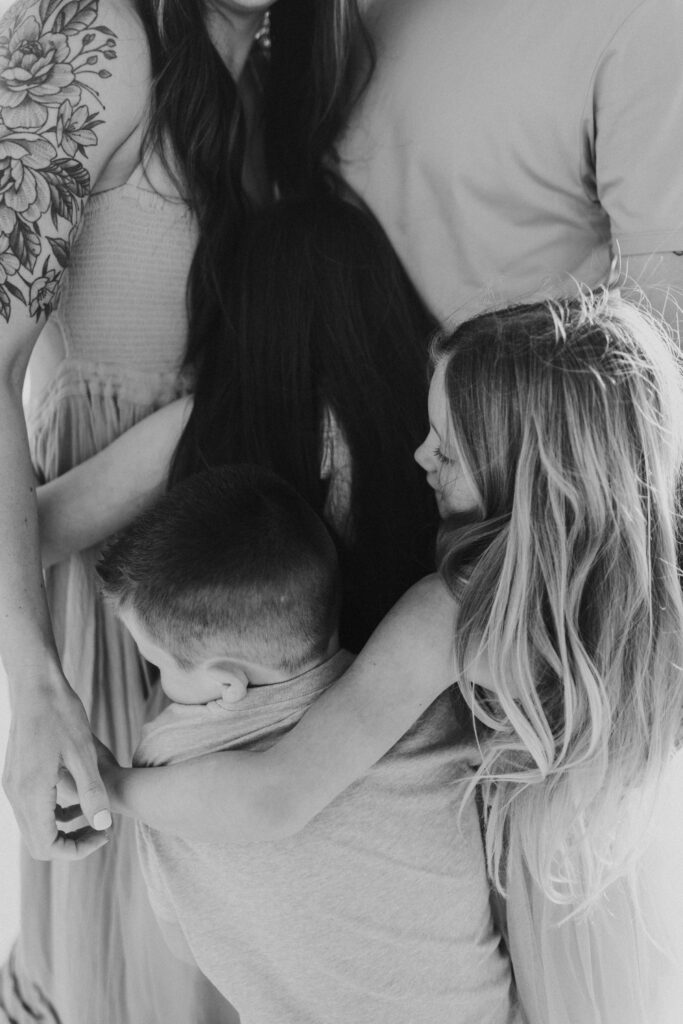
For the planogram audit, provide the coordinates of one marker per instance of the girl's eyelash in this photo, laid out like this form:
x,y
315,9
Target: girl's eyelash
x,y
442,458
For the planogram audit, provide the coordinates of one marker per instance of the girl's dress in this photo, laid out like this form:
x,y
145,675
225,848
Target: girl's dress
x,y
621,962
90,951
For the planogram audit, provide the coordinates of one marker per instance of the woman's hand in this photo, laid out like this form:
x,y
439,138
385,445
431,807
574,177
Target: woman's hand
x,y
49,732
109,767
50,745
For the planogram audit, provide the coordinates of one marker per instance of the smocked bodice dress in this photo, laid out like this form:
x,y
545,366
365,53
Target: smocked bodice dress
x,y
90,951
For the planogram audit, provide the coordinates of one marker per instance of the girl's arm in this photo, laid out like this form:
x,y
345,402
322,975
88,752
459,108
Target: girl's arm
x,y
243,796
105,493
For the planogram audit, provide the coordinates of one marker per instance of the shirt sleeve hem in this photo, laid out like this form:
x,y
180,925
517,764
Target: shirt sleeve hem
x,y
666,240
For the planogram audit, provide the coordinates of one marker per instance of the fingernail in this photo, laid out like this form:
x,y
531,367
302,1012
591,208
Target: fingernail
x,y
102,821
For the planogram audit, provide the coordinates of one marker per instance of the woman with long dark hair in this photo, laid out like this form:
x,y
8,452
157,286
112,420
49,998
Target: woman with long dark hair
x,y
136,138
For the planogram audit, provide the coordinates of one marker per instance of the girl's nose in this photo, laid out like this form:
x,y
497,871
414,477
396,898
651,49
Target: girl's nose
x,y
421,456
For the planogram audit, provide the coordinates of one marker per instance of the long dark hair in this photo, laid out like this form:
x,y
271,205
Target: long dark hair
x,y
319,59
325,319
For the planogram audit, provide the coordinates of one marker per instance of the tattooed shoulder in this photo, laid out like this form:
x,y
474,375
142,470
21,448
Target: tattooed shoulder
x,y
53,54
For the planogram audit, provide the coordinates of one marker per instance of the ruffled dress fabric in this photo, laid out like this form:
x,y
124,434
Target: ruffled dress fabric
x,y
621,962
89,951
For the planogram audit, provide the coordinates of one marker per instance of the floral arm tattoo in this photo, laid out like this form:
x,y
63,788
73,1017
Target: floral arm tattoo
x,y
48,116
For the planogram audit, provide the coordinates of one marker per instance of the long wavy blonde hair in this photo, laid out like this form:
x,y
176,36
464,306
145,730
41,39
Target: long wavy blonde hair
x,y
569,416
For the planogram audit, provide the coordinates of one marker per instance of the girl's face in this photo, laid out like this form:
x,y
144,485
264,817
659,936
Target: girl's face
x,y
437,455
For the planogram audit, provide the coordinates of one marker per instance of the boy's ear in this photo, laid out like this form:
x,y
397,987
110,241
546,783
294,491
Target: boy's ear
x,y
234,681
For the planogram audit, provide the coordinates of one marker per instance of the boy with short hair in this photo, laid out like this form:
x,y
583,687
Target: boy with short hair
x,y
377,911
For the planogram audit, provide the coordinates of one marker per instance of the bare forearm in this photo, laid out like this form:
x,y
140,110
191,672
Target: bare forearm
x,y
26,641
50,730
103,494
218,798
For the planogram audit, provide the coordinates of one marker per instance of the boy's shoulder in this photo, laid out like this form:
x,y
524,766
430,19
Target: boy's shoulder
x,y
183,731
178,733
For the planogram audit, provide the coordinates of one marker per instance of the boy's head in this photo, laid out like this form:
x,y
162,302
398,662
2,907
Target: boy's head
x,y
229,578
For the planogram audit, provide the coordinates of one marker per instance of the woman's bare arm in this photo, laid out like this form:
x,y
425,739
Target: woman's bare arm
x,y
74,78
105,493
243,796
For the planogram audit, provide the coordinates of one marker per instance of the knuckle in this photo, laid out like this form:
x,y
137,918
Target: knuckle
x,y
93,788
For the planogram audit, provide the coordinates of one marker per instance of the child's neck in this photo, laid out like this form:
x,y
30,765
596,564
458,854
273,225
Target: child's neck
x,y
263,675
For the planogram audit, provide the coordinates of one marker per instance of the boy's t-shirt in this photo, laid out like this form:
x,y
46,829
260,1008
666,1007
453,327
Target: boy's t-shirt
x,y
377,912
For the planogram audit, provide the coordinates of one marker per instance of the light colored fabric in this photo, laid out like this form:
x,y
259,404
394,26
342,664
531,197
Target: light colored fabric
x,y
508,144
622,962
376,913
90,951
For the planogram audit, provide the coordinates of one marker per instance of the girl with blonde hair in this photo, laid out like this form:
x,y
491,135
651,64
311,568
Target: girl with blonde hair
x,y
555,451
566,420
